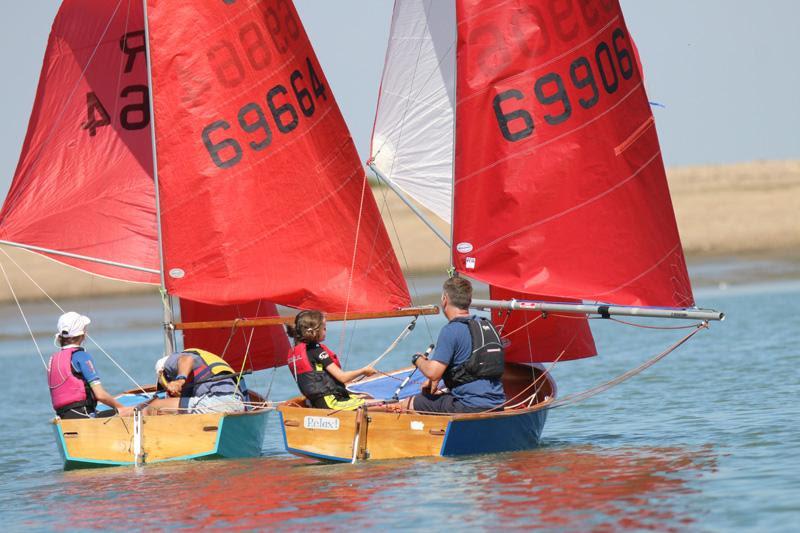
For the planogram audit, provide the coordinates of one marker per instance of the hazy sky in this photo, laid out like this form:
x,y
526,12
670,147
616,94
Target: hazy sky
x,y
726,70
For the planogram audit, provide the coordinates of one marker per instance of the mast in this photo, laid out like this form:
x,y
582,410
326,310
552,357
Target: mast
x,y
166,299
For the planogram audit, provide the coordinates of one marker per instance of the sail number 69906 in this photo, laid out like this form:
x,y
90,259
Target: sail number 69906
x,y
552,91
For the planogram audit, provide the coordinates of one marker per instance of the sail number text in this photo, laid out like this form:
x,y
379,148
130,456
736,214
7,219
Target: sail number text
x,y
282,105
582,84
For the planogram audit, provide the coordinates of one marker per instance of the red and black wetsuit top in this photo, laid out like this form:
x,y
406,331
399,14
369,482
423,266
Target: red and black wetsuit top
x,y
308,363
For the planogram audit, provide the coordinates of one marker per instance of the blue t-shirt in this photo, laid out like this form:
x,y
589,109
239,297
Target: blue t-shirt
x,y
83,364
453,348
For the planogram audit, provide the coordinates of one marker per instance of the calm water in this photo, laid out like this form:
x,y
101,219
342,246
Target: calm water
x,y
706,440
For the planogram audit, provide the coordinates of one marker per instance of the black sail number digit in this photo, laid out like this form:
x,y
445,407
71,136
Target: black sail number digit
x,y
505,119
580,72
218,150
252,119
140,109
559,95
280,112
610,79
623,55
303,95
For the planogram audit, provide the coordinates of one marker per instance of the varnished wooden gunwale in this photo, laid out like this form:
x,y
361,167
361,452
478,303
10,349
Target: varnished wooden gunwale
x,y
390,435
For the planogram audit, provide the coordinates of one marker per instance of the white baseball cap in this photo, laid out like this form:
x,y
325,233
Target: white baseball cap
x,y
160,364
72,324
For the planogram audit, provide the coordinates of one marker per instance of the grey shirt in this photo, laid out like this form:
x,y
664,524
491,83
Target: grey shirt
x,y
218,387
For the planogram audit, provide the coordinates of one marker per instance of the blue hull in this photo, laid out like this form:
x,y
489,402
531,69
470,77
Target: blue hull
x,y
504,433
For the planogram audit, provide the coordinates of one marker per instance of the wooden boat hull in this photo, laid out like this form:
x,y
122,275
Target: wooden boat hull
x,y
348,436
94,442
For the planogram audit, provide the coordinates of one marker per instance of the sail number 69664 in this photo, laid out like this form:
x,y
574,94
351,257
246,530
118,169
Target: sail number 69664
x,y
282,111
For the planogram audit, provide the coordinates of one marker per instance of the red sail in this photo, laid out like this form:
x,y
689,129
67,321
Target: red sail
x,y
560,187
533,338
83,184
265,347
262,192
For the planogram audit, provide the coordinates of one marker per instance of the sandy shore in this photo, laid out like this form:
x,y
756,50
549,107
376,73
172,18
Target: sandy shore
x,y
725,212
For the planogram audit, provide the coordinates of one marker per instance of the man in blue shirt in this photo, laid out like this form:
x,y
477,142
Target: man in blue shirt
x,y
453,349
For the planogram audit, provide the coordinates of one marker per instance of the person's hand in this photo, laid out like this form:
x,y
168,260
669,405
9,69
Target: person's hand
x,y
368,371
431,387
174,387
125,411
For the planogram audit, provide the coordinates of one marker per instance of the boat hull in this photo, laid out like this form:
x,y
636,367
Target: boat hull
x,y
349,436
93,442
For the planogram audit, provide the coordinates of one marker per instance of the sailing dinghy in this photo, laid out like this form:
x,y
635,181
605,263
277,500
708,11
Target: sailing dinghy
x,y
525,125
164,148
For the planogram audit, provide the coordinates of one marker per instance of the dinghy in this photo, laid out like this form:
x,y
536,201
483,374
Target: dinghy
x,y
526,127
165,147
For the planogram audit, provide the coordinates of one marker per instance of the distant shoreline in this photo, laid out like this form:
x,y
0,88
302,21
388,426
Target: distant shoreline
x,y
738,223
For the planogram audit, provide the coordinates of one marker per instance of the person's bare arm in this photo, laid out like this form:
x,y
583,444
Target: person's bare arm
x,y
343,376
184,368
102,396
433,370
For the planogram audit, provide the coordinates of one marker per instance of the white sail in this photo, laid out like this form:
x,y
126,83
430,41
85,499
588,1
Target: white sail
x,y
412,139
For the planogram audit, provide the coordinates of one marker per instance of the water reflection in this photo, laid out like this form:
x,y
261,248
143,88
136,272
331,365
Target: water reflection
x,y
606,489
568,487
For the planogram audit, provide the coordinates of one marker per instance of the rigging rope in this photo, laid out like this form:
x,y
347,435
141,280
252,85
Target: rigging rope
x,y
580,396
352,268
62,310
21,312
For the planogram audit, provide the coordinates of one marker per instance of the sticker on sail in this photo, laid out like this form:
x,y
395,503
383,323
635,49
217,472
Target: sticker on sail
x,y
321,422
417,425
464,247
176,273
470,263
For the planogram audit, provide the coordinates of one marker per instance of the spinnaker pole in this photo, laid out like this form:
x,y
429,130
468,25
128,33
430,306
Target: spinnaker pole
x,y
601,310
166,299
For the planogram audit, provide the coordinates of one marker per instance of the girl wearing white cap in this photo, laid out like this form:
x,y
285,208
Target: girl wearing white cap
x,y
75,386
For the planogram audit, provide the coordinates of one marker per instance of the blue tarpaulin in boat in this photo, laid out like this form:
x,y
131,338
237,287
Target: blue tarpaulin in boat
x,y
383,388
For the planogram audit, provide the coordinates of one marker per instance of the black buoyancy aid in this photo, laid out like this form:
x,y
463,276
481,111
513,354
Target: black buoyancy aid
x,y
312,379
487,360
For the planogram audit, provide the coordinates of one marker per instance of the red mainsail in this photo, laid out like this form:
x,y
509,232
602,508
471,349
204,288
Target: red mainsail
x,y
531,337
262,193
560,188
83,184
242,348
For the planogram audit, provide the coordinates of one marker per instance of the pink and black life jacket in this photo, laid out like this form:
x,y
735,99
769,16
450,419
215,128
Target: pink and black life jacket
x,y
68,390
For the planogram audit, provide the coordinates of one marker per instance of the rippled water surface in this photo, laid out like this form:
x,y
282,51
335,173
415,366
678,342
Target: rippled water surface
x,y
705,440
